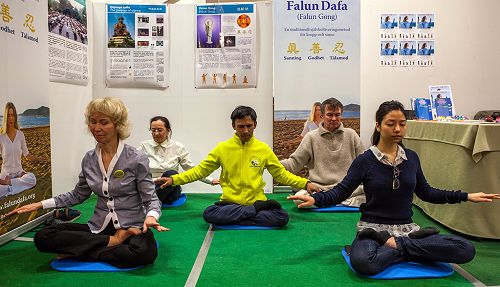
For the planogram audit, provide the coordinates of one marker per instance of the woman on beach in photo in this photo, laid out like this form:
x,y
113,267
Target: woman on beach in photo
x,y
314,119
127,205
13,179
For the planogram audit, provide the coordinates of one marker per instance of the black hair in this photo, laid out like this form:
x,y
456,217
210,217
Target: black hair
x,y
384,109
241,112
333,103
165,121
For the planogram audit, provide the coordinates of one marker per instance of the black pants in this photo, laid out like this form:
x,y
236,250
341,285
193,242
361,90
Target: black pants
x,y
245,215
77,240
168,194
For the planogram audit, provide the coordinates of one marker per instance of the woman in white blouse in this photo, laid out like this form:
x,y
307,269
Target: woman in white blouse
x,y
13,179
165,156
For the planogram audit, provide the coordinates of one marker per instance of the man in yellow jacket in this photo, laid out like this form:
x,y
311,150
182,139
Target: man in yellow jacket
x,y
243,159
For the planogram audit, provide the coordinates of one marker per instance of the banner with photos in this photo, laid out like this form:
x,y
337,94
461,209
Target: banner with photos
x,y
407,40
25,172
316,56
137,46
225,46
68,42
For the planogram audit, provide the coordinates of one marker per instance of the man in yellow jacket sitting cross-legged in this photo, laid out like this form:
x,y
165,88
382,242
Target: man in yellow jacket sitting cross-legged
x,y
243,159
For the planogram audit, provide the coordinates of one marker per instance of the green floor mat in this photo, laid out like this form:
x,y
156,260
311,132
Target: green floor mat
x,y
304,253
23,265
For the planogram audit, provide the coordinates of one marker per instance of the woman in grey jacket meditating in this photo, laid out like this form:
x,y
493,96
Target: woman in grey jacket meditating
x,y
127,205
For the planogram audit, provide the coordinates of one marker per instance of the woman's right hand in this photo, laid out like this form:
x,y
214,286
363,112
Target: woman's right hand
x,y
26,208
307,200
165,181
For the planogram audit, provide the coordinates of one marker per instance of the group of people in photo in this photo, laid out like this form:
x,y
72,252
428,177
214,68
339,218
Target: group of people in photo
x,y
131,184
67,27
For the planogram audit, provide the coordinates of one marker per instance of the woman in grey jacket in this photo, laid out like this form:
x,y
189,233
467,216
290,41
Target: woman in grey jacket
x,y
127,205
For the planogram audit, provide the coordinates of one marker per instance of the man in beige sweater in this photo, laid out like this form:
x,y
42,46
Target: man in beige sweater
x,y
328,152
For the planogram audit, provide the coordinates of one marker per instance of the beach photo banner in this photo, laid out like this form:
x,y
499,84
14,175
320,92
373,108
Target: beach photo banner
x,y
25,163
137,52
225,46
68,42
316,56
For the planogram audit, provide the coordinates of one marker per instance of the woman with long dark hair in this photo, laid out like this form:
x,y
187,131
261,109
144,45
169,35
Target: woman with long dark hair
x,y
391,174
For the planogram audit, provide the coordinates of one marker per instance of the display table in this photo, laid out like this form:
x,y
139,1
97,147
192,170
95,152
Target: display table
x,y
463,156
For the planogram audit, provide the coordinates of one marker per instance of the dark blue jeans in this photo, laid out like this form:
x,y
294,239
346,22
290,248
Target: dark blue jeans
x,y
368,257
244,215
168,194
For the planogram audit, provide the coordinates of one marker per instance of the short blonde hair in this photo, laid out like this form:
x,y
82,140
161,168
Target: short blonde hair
x,y
8,106
113,108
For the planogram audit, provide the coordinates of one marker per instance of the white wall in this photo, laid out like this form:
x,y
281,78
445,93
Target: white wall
x,y
467,57
199,118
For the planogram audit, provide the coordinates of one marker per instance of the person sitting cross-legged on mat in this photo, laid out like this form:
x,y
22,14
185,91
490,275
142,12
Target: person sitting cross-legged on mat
x,y
243,159
165,156
328,152
391,174
127,205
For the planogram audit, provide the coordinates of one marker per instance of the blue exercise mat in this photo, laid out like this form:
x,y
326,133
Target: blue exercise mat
x,y
335,208
72,265
409,270
243,227
180,201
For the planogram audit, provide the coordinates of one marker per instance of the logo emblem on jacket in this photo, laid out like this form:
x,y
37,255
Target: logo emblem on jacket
x,y
118,173
255,161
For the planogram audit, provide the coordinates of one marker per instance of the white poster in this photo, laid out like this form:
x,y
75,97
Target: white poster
x,y
316,50
225,49
25,172
407,40
68,42
137,52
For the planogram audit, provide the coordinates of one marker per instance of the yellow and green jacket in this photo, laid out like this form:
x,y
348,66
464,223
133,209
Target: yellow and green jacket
x,y
242,167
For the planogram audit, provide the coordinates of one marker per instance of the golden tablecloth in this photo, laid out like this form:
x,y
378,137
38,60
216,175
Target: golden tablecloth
x,y
463,156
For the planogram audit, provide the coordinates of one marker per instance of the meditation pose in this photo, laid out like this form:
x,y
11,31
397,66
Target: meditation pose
x,y
391,175
328,152
120,28
243,159
13,179
127,206
165,156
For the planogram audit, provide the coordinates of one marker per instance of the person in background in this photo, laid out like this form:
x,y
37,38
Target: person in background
x,y
127,206
391,174
165,156
328,152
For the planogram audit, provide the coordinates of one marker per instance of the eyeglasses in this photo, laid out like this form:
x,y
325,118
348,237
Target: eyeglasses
x,y
395,179
157,130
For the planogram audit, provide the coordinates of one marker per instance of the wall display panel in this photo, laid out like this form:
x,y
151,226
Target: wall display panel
x,y
316,56
137,39
25,172
226,46
68,42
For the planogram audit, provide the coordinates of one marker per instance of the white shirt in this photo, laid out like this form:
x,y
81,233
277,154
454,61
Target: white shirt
x,y
11,152
168,155
308,126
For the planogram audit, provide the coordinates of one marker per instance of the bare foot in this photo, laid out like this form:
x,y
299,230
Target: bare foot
x,y
391,242
6,181
63,256
122,235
